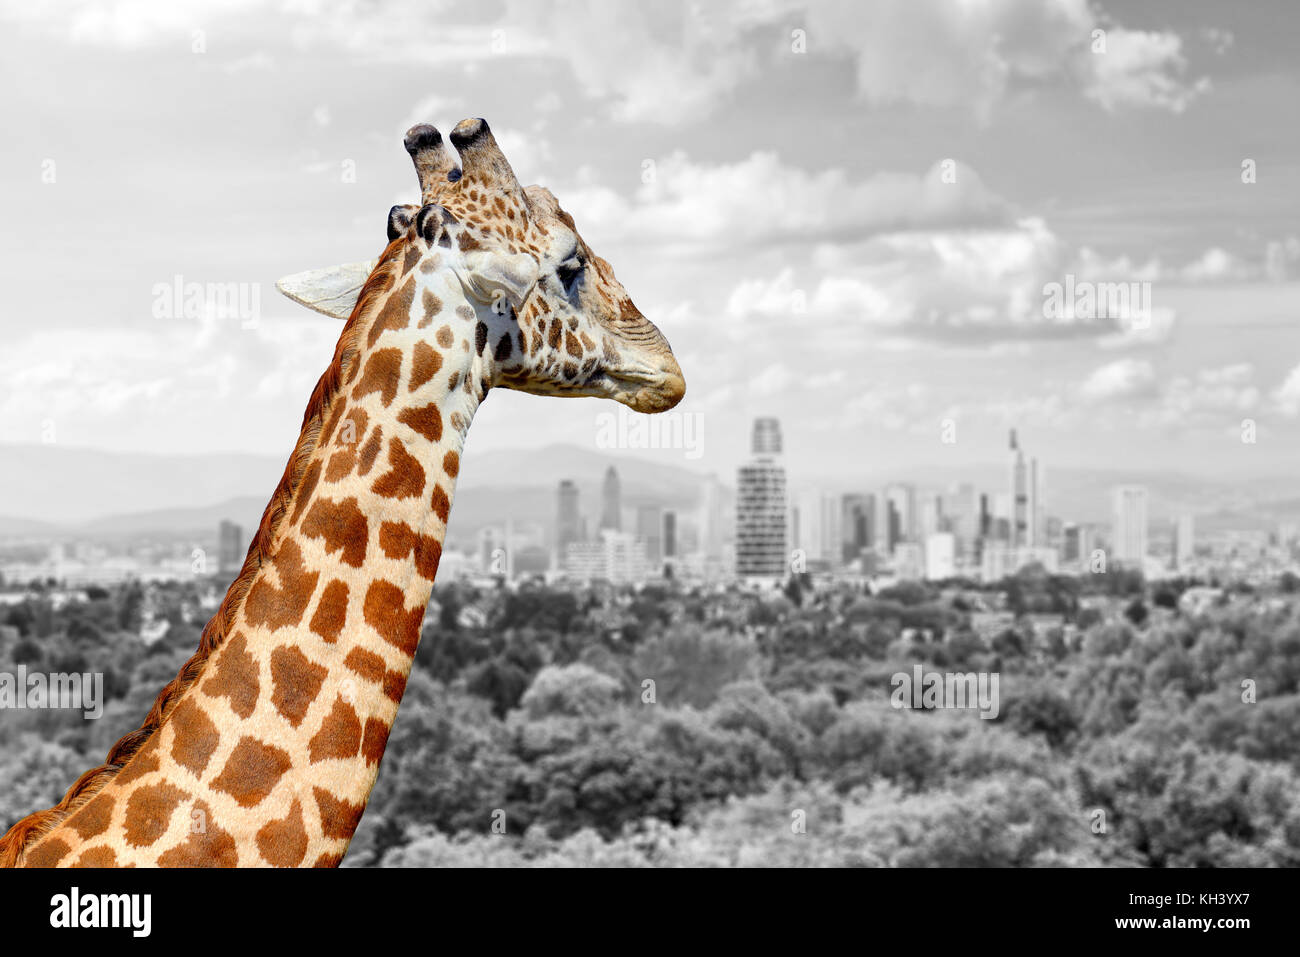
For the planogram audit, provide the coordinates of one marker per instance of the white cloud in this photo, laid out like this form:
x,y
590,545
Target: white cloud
x,y
1141,68
1282,259
891,407
106,384
1121,379
1216,265
949,53
678,63
1278,262
1205,397
776,378
1287,395
762,200
976,286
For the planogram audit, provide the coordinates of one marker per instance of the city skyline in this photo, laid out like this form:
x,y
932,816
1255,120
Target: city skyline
x,y
896,531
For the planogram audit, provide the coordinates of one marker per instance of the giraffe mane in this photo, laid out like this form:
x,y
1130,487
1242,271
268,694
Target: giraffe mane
x,y
30,829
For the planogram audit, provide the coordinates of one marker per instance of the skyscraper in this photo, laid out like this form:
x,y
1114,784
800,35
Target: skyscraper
x,y
962,510
1129,531
817,527
940,556
611,503
1026,484
858,525
761,506
901,512
568,523
650,530
230,548
670,534
712,517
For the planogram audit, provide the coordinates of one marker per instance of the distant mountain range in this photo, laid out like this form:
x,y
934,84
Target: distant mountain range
x,y
54,491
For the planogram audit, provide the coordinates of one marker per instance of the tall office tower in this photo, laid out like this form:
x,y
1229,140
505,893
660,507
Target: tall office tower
x,y
650,530
568,522
1019,494
817,527
1034,515
830,521
962,508
761,506
711,518
858,524
929,516
670,534
611,503
1027,517
230,548
902,499
1129,531
1071,542
891,534
1184,541
940,556
986,516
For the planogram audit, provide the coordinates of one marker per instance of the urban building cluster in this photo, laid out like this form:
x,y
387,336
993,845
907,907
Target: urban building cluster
x,y
763,529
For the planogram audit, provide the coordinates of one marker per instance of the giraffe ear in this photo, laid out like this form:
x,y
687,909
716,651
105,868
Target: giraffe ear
x,y
494,274
332,291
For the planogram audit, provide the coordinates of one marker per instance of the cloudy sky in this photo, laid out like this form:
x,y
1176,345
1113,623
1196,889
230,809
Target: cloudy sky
x,y
844,214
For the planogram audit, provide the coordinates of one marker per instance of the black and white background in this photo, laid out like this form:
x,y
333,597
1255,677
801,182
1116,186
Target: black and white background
x,y
899,230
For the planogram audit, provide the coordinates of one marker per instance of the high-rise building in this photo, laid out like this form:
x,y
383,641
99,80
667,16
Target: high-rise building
x,y
650,530
611,502
1027,516
929,516
1074,546
909,561
1184,541
618,558
817,528
1129,530
940,556
962,508
902,521
230,548
670,534
568,521
858,524
761,506
713,517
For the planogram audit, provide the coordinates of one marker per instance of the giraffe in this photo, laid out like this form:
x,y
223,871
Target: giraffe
x,y
264,749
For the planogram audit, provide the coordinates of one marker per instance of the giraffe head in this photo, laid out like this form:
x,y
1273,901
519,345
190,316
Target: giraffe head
x,y
558,321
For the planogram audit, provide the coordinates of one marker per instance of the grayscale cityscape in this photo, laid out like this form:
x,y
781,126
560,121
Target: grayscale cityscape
x,y
538,434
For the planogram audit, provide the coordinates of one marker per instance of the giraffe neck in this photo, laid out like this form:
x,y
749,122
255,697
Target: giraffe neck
x,y
270,753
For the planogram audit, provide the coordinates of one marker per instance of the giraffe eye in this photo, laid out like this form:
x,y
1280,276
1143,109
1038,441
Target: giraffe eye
x,y
569,273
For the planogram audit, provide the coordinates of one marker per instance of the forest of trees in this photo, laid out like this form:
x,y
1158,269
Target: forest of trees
x,y
668,725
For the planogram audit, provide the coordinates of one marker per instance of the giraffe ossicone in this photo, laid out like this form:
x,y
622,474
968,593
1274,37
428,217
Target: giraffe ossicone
x,y
264,749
